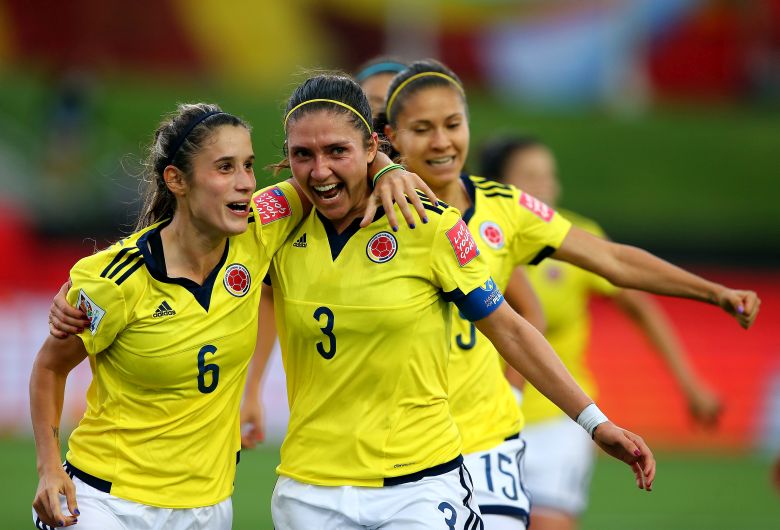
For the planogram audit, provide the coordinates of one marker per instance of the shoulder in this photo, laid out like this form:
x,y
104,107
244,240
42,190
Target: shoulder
x,y
273,203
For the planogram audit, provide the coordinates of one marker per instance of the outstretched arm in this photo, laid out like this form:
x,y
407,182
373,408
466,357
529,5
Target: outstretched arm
x,y
527,351
703,404
56,358
522,298
252,426
631,267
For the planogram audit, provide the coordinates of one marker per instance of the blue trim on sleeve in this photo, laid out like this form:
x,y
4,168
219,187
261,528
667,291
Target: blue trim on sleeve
x,y
480,302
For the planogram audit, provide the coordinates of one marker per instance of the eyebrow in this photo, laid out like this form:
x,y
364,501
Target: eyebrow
x,y
227,158
453,115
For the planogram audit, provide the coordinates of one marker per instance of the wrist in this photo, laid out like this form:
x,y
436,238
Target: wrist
x,y
590,418
387,169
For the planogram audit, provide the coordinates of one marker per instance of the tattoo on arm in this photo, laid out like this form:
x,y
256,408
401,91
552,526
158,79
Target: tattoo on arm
x,y
55,431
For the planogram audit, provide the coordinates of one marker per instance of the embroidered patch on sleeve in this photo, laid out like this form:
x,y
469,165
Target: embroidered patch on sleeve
x,y
537,207
94,312
272,205
462,243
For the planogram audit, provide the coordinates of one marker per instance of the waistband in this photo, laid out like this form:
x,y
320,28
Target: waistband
x,y
92,480
441,469
512,437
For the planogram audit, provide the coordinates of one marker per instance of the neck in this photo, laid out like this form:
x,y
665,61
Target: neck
x,y
454,194
189,252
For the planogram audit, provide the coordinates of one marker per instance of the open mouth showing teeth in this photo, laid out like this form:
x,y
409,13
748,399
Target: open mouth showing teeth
x,y
441,161
328,191
238,206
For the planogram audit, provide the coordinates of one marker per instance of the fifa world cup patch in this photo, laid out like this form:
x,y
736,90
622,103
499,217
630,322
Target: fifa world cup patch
x,y
382,247
462,243
272,205
94,312
492,235
237,280
537,207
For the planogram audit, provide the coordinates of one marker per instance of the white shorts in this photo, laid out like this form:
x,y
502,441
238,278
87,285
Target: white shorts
x,y
558,465
498,480
443,501
103,511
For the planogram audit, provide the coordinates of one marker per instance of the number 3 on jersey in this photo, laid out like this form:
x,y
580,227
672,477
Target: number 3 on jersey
x,y
327,330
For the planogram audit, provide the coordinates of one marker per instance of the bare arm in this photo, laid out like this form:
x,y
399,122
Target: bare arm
x,y
527,351
55,360
522,298
703,405
631,267
252,428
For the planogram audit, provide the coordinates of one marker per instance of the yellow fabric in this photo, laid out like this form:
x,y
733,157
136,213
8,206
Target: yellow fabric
x,y
480,396
377,407
563,290
162,410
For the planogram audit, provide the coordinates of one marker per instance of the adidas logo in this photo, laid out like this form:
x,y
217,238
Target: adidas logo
x,y
164,310
301,241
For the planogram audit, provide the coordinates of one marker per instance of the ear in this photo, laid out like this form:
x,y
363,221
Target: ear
x,y
373,147
390,134
174,180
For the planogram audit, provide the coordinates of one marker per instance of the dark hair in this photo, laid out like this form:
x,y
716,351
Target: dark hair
x,y
383,64
177,140
396,97
335,87
495,153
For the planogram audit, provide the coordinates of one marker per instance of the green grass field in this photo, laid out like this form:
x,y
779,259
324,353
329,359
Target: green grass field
x,y
692,491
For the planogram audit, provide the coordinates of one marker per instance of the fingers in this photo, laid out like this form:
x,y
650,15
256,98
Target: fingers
x,y
646,461
400,197
368,218
387,203
42,509
70,497
427,191
58,519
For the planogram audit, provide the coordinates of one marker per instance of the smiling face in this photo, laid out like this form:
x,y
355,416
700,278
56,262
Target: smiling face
x,y
432,134
216,197
329,159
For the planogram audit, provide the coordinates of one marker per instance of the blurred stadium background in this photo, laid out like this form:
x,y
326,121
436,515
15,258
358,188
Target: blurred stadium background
x,y
664,115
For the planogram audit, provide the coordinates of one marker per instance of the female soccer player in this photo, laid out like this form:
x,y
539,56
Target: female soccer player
x,y
427,122
557,472
371,441
374,77
171,325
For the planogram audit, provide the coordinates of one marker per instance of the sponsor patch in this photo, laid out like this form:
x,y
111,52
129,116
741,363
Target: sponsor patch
x,y
237,280
94,312
382,247
492,234
272,205
462,243
537,207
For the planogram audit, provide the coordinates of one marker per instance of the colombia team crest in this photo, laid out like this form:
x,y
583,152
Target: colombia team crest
x,y
237,280
382,247
492,234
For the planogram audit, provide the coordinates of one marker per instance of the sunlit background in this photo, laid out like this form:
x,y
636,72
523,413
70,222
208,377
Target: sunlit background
x,y
664,116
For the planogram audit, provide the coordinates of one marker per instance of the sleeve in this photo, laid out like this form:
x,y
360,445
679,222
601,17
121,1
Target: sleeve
x,y
278,211
460,271
103,301
539,229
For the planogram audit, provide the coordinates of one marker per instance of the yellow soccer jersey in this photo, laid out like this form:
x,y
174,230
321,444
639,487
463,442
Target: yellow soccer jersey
x,y
169,360
364,324
563,291
511,228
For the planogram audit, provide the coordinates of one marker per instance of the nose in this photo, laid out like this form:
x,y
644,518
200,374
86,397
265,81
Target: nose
x,y
245,179
320,168
440,139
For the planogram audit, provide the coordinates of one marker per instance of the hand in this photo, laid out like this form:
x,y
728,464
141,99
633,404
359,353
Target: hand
x,y
396,186
47,499
704,406
742,305
252,425
64,319
631,449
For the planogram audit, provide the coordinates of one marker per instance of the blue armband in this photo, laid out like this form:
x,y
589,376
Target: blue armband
x,y
479,303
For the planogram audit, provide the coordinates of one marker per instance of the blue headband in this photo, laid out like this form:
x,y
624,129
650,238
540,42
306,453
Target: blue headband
x,y
389,67
180,139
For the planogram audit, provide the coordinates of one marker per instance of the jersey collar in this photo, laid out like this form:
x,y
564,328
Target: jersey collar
x,y
471,191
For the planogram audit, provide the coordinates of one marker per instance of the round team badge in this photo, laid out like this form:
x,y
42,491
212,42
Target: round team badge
x,y
492,234
237,280
382,247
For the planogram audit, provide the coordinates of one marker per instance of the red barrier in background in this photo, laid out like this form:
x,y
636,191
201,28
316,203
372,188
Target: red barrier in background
x,y
639,394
